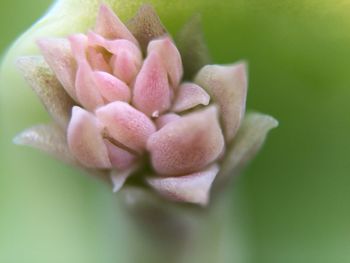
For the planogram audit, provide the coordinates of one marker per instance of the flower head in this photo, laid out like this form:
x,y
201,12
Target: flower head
x,y
122,107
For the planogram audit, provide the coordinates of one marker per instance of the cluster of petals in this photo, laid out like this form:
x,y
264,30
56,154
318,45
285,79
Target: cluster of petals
x,y
132,106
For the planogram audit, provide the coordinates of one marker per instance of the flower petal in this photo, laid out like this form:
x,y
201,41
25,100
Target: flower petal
x,y
248,141
43,81
227,86
191,44
170,57
85,140
111,88
126,125
87,91
48,138
118,178
192,188
58,55
189,96
97,60
165,119
146,26
120,158
151,91
109,25
126,57
187,145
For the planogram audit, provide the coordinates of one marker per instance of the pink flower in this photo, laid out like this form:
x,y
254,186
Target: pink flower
x,y
122,107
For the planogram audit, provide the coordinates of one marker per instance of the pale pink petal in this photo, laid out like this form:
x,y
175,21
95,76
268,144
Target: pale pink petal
x,y
165,119
187,145
151,90
118,178
120,158
111,88
114,46
227,86
125,67
86,88
58,55
97,61
85,140
128,126
170,57
126,57
192,188
189,96
78,43
109,25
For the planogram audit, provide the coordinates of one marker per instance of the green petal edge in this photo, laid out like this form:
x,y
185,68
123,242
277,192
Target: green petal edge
x,y
246,144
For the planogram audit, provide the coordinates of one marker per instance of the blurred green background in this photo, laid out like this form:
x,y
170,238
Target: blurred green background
x,y
292,201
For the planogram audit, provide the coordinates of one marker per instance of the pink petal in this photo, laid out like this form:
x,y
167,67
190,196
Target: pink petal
x,y
192,188
86,88
188,144
170,57
111,88
119,177
165,119
126,125
78,44
85,141
109,25
125,67
97,61
227,86
151,90
58,55
189,96
120,158
126,60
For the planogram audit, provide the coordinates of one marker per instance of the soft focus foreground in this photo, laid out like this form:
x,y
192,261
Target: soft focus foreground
x,y
294,195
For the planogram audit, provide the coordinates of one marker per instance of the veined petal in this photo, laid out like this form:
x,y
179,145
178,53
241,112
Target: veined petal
x,y
111,88
192,188
151,92
165,119
187,145
58,54
170,57
45,84
109,25
146,26
85,140
87,91
120,158
227,86
48,138
248,141
189,96
126,125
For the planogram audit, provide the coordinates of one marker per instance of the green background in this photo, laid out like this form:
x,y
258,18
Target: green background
x,y
294,197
